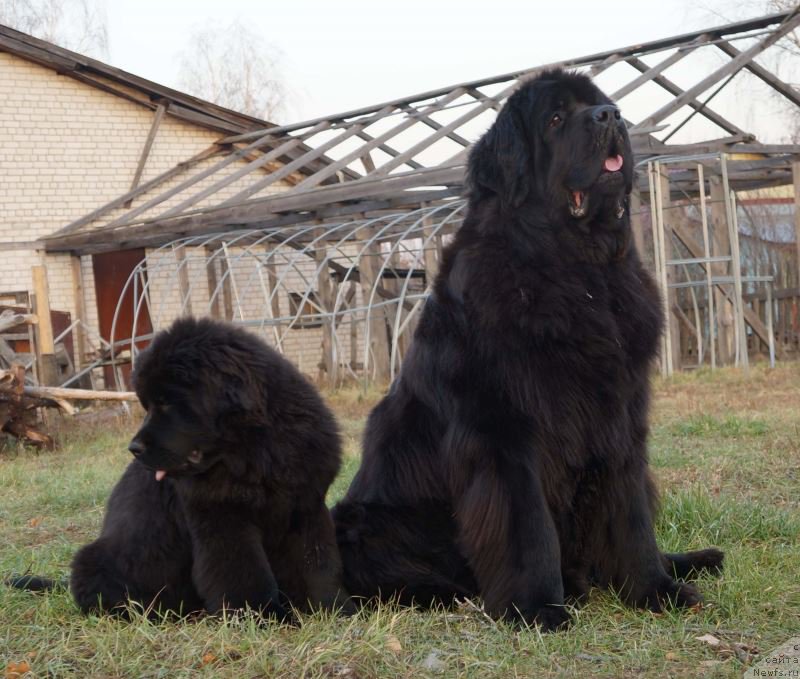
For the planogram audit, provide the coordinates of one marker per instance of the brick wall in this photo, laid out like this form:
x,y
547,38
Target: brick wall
x,y
67,149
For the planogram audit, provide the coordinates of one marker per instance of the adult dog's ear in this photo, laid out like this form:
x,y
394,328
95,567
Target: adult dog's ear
x,y
500,162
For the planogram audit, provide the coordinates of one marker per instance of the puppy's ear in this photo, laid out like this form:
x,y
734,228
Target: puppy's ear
x,y
500,162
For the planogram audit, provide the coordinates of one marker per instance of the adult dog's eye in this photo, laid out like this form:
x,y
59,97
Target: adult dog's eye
x,y
556,120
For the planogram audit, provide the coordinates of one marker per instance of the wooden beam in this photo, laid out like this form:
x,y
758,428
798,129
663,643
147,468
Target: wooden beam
x,y
148,144
72,227
386,168
45,348
316,178
771,79
796,183
78,294
302,160
692,102
183,279
241,172
653,71
191,181
734,65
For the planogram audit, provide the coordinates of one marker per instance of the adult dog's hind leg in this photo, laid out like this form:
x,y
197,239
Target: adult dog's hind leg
x,y
628,556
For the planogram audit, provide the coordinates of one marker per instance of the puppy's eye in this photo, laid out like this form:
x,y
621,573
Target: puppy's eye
x,y
556,120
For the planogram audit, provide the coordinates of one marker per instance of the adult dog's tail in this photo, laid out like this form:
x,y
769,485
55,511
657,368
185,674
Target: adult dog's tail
x,y
689,565
36,583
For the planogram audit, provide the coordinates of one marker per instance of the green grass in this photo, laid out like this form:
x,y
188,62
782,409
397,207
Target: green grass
x,y
725,449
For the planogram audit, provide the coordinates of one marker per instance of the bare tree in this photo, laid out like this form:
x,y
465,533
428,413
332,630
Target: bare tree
x,y
236,68
79,25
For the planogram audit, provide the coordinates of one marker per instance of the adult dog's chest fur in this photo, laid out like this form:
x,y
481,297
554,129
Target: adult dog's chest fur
x,y
569,345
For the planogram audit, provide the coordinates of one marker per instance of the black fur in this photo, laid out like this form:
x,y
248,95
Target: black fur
x,y
509,458
249,450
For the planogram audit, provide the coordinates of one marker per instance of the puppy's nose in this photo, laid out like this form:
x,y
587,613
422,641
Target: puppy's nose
x,y
606,114
136,447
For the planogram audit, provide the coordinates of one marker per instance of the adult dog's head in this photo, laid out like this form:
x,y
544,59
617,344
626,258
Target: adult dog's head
x,y
559,142
198,383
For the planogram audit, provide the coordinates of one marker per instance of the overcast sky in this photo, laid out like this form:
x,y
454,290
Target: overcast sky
x,y
342,54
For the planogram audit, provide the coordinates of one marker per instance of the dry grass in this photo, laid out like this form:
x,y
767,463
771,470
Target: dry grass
x,y
726,450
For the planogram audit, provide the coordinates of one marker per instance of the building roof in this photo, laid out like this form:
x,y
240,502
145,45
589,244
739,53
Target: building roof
x,y
120,83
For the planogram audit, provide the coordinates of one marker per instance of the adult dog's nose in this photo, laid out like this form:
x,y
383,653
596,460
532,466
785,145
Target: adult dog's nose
x,y
606,114
136,447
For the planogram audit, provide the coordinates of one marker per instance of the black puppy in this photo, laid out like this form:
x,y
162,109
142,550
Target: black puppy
x,y
224,505
509,458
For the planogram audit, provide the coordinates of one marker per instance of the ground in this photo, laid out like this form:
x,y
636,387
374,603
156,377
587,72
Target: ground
x,y
725,449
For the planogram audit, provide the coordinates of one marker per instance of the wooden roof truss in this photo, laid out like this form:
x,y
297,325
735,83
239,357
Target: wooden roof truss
x,y
412,151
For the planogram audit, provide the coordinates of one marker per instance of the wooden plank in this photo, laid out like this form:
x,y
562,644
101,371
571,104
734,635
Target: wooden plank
x,y
148,144
80,311
721,246
149,234
242,172
211,281
796,185
693,103
191,181
377,345
316,178
637,223
326,295
183,279
770,78
433,124
388,150
653,71
302,160
72,227
45,348
386,168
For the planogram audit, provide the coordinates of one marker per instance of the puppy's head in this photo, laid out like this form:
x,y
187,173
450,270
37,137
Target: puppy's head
x,y
196,382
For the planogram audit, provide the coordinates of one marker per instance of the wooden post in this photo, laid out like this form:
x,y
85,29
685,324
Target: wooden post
x,y
377,348
326,296
183,279
721,247
637,223
80,311
674,326
227,296
211,277
796,177
45,349
275,298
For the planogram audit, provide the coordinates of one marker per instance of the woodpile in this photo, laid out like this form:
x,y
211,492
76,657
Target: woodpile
x,y
19,403
18,410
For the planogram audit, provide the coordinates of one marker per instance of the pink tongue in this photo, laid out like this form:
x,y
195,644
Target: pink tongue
x,y
160,474
613,164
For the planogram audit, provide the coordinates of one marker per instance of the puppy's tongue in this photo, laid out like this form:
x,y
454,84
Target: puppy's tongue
x,y
613,164
160,474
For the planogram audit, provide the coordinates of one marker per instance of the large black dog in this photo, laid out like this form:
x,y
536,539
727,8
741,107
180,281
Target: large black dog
x,y
509,458
224,505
